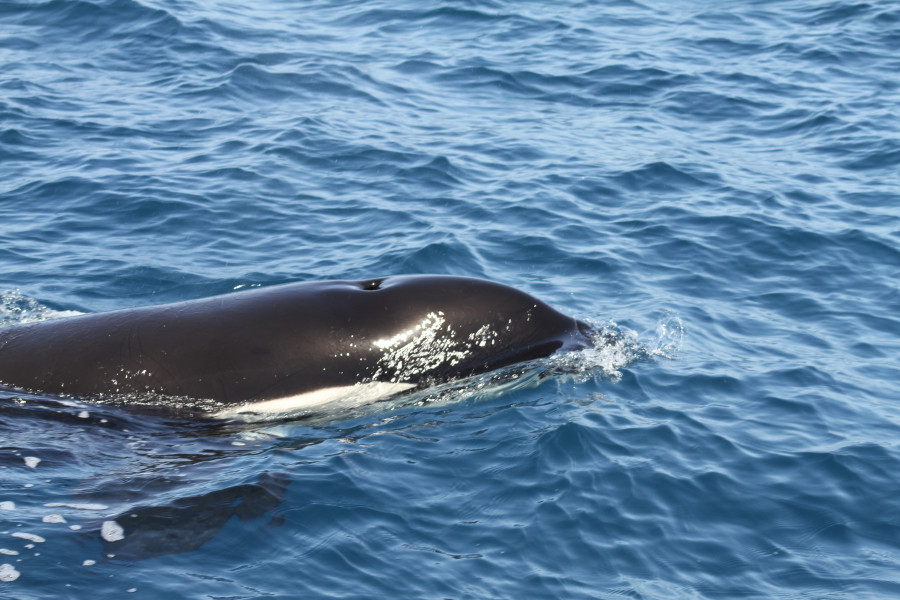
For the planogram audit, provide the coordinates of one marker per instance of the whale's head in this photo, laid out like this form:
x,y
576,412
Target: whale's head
x,y
436,327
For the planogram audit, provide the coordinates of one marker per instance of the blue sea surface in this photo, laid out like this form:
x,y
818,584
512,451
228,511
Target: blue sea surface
x,y
718,181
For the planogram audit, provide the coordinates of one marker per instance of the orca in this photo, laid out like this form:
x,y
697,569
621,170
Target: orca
x,y
289,347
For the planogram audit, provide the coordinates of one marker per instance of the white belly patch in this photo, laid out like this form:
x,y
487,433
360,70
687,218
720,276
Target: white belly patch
x,y
347,396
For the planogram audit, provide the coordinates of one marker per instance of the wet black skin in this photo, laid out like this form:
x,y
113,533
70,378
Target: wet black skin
x,y
283,340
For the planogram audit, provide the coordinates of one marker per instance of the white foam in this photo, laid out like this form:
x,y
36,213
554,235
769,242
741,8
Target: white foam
x,y
17,308
53,519
8,573
7,505
29,536
32,461
112,531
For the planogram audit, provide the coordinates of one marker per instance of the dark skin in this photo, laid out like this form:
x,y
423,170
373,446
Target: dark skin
x,y
285,340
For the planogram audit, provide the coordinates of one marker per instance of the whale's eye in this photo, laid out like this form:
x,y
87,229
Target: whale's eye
x,y
372,284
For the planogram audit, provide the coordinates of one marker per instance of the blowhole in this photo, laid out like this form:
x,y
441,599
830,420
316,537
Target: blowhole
x,y
372,284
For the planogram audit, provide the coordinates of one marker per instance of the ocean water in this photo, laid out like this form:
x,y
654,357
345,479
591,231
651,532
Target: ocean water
x,y
719,181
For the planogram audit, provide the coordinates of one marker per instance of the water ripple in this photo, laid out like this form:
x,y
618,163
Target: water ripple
x,y
717,186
